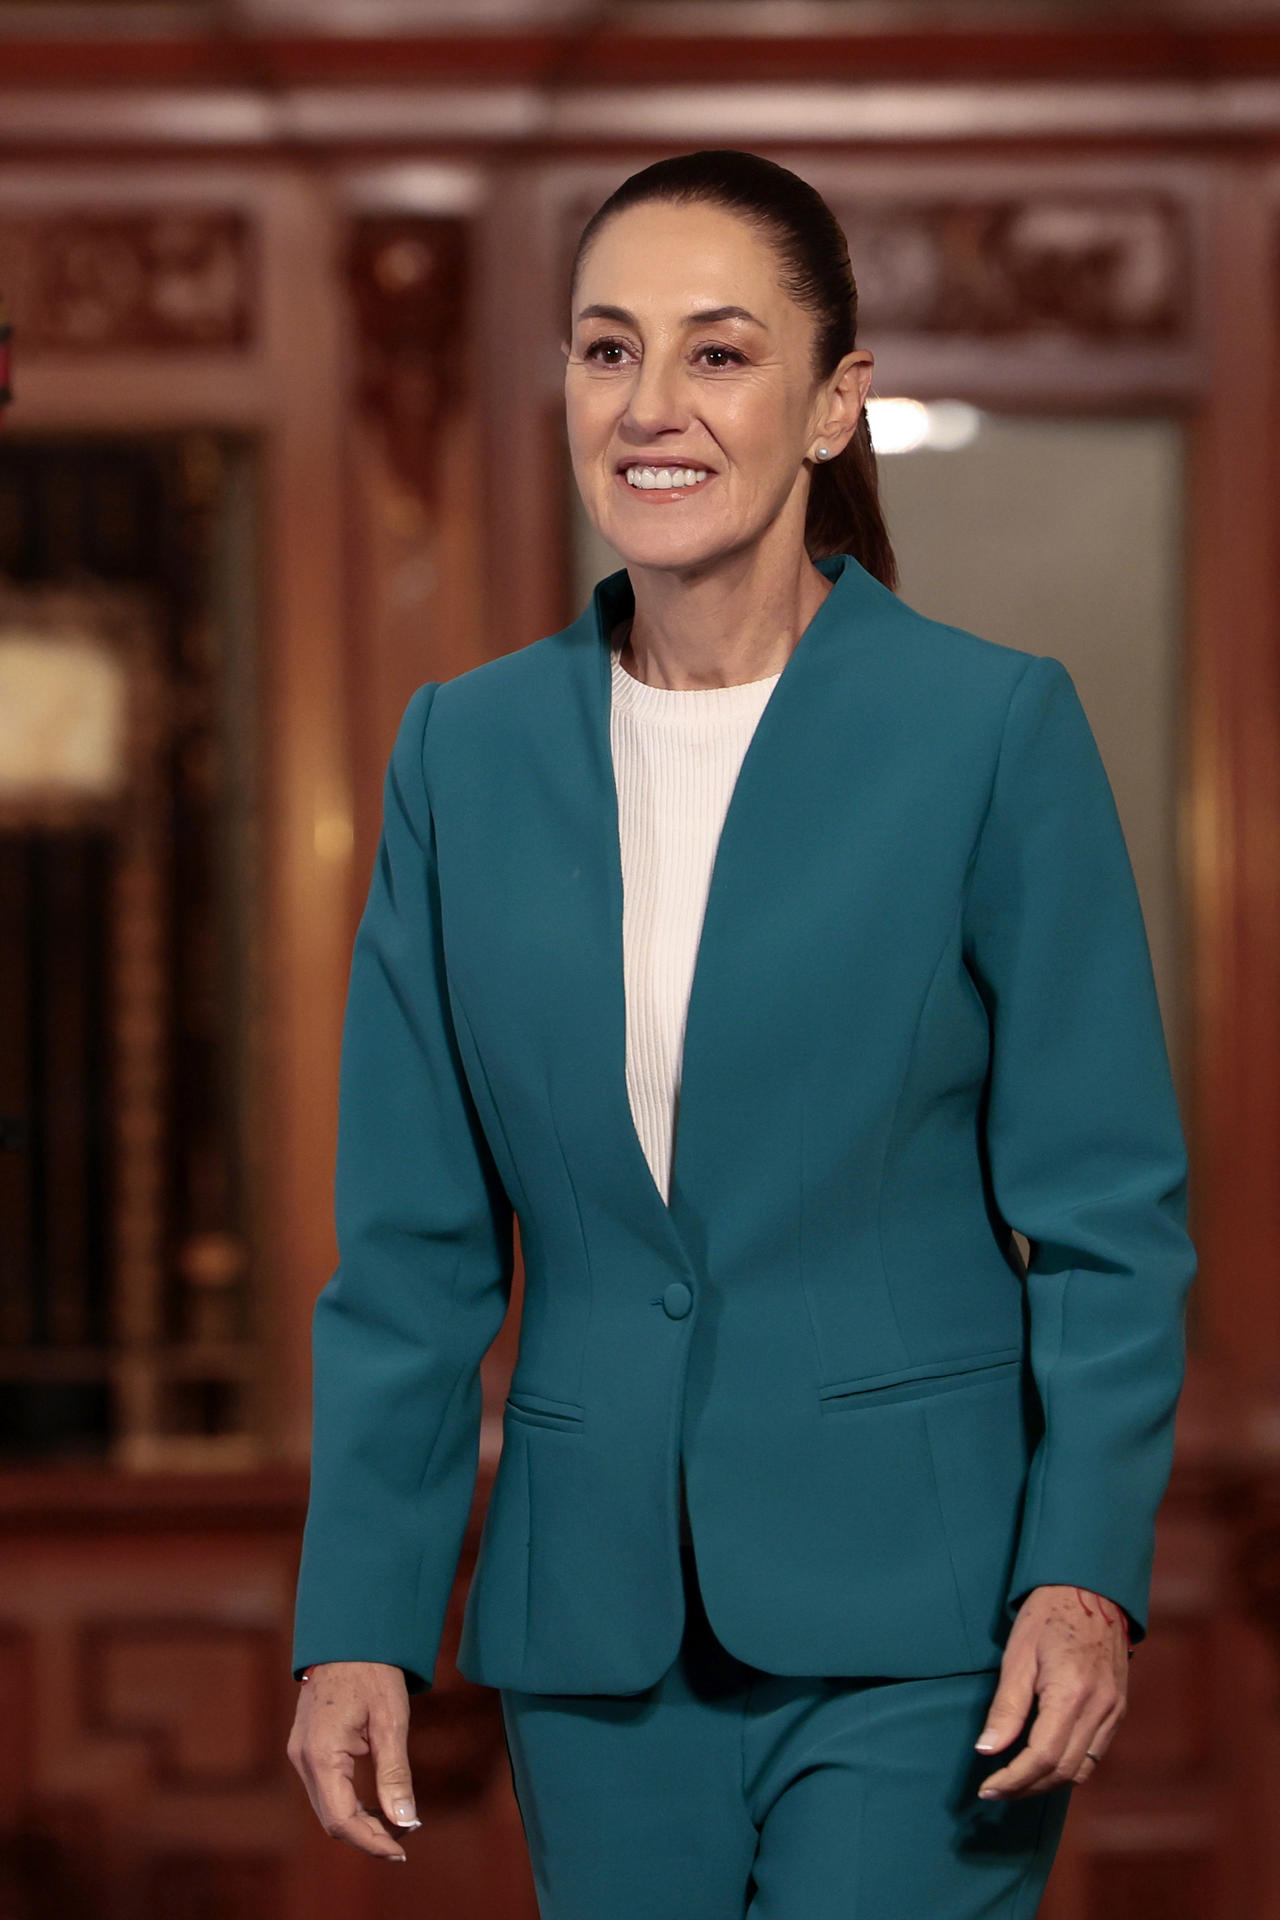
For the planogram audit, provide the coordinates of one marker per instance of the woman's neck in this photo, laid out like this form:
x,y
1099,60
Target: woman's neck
x,y
713,633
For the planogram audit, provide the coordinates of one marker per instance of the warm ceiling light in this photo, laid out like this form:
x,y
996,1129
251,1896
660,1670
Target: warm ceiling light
x,y
901,425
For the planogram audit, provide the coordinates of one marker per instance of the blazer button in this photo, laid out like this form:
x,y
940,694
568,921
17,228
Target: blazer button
x,y
677,1300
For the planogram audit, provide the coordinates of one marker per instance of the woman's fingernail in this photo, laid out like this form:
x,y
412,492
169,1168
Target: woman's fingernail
x,y
405,1815
988,1793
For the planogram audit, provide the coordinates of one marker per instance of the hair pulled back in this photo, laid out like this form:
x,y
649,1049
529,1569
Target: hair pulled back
x,y
844,512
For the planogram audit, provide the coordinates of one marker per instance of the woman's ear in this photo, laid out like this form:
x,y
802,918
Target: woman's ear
x,y
845,397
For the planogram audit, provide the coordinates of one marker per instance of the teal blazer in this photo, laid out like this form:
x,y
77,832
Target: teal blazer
x,y
923,1014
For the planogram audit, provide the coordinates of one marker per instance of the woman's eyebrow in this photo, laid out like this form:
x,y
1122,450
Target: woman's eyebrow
x,y
706,317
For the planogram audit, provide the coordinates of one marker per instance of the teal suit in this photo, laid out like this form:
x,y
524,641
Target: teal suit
x,y
923,1014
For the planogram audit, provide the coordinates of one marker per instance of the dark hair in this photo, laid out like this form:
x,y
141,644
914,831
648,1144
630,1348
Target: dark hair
x,y
844,513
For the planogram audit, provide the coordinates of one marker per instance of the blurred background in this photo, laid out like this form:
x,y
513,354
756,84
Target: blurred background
x,y
287,280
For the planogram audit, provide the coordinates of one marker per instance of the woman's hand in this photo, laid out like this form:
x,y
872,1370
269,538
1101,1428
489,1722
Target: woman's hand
x,y
347,1709
1068,1648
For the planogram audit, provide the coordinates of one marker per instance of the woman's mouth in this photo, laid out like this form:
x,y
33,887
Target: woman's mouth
x,y
663,484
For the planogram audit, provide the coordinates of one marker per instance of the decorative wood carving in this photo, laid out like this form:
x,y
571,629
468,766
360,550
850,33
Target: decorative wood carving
x,y
1110,267
410,285
93,282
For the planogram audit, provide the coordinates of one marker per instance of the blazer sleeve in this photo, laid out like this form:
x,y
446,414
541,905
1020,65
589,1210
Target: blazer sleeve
x,y
1084,1145
424,1232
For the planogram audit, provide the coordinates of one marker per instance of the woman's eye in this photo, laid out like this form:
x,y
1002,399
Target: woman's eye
x,y
598,349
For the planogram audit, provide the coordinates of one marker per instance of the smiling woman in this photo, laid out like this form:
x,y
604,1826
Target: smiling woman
x,y
813,1490
726,425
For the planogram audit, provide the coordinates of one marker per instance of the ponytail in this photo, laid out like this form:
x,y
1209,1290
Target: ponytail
x,y
844,514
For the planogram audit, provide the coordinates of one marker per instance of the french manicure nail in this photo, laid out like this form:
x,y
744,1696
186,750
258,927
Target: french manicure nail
x,y
405,1814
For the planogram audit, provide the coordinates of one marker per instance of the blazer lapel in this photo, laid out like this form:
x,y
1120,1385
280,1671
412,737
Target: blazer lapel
x,y
815,744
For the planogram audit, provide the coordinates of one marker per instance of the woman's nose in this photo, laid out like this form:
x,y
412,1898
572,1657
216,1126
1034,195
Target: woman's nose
x,y
655,400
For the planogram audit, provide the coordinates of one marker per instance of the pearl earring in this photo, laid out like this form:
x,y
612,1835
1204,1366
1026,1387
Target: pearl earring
x,y
824,453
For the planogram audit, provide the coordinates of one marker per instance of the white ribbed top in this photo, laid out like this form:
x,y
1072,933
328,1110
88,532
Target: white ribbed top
x,y
677,753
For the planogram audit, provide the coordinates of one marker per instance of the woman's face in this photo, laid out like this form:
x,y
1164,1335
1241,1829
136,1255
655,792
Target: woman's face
x,y
664,377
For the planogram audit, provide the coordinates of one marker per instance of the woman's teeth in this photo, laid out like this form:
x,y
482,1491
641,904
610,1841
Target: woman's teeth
x,y
665,476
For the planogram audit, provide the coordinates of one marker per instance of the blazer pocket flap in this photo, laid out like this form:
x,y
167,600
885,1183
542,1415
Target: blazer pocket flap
x,y
537,1407
926,1377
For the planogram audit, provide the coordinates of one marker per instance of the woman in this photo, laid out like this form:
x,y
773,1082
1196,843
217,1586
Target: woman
x,y
822,1523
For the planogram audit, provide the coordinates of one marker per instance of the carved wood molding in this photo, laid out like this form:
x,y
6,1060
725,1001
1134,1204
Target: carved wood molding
x,y
165,280
1112,267
409,277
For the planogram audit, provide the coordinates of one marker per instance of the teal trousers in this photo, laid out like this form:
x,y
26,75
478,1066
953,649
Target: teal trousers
x,y
725,1792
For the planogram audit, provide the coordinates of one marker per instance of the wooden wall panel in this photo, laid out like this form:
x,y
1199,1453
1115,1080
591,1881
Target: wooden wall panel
x,y
144,1679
